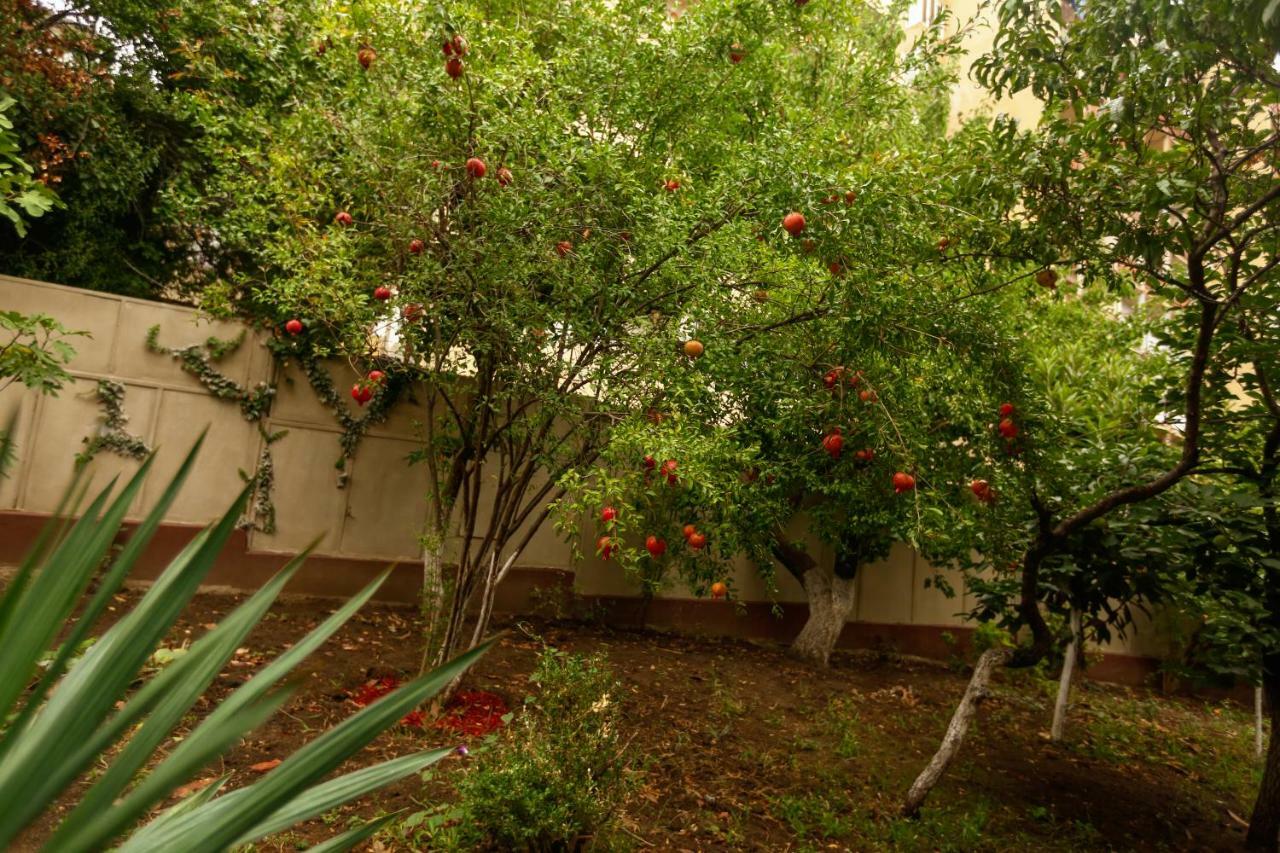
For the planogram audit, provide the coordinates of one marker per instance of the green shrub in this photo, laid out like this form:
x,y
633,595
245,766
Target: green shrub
x,y
555,779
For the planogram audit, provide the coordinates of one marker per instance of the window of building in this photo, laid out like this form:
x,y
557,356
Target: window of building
x,y
922,11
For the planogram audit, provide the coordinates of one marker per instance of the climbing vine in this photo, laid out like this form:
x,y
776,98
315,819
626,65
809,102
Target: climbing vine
x,y
263,479
353,428
198,360
111,435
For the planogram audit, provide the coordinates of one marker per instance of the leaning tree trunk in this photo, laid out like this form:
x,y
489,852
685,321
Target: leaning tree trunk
x,y
1064,682
956,729
830,602
1264,824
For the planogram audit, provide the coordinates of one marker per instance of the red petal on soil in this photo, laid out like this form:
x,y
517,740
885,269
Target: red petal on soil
x,y
264,766
473,712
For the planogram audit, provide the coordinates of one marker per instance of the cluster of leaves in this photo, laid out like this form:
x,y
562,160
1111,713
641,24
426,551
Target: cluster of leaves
x,y
34,351
198,360
557,775
22,197
112,435
133,111
81,719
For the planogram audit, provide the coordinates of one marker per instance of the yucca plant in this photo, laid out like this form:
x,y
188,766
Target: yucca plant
x,y
62,716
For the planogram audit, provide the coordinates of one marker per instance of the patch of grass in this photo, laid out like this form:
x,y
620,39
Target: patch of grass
x,y
813,817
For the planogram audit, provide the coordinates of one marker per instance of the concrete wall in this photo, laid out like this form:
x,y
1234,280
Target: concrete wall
x,y
377,517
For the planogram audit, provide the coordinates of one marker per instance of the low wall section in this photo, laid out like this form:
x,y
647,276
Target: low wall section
x,y
375,517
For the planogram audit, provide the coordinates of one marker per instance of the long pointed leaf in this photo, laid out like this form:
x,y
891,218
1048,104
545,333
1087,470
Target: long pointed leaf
x,y
115,576
52,751
333,793
217,824
352,837
50,597
94,820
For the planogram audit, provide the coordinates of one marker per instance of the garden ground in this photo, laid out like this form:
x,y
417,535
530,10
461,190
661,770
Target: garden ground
x,y
739,747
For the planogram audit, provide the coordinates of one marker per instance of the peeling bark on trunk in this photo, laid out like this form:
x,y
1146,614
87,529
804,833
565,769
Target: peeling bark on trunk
x,y
1264,824
1064,682
830,602
433,601
956,729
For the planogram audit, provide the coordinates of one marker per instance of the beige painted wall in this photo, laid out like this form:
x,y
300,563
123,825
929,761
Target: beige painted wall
x,y
968,98
379,513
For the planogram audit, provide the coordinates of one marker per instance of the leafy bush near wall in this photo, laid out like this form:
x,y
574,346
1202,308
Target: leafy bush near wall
x,y
74,718
556,778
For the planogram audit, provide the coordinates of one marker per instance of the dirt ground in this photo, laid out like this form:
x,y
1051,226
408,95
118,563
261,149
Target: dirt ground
x,y
741,748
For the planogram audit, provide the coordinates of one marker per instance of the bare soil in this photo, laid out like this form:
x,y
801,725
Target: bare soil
x,y
740,747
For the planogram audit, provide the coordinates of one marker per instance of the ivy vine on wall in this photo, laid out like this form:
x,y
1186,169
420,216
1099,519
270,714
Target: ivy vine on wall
x,y
199,360
353,428
112,436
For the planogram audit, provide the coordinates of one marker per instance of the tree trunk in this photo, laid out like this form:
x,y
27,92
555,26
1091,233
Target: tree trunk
x,y
1258,739
432,603
1064,682
830,602
956,729
1264,824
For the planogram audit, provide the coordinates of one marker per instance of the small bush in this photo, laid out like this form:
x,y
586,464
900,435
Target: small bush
x,y
554,780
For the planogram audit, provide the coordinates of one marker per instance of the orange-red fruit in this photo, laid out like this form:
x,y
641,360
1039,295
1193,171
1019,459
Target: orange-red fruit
x,y
1008,428
447,47
504,176
793,222
476,167
416,246
649,462
382,293
376,376
655,546
453,67
864,455
366,56
866,395
982,491
694,349
1006,409
672,479
833,443
294,326
835,268
719,590
608,514
343,218
944,244
605,546
903,482
671,185
460,46
411,311
689,530
1047,278
697,541
850,197
830,378
736,53
670,466
563,248
361,393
